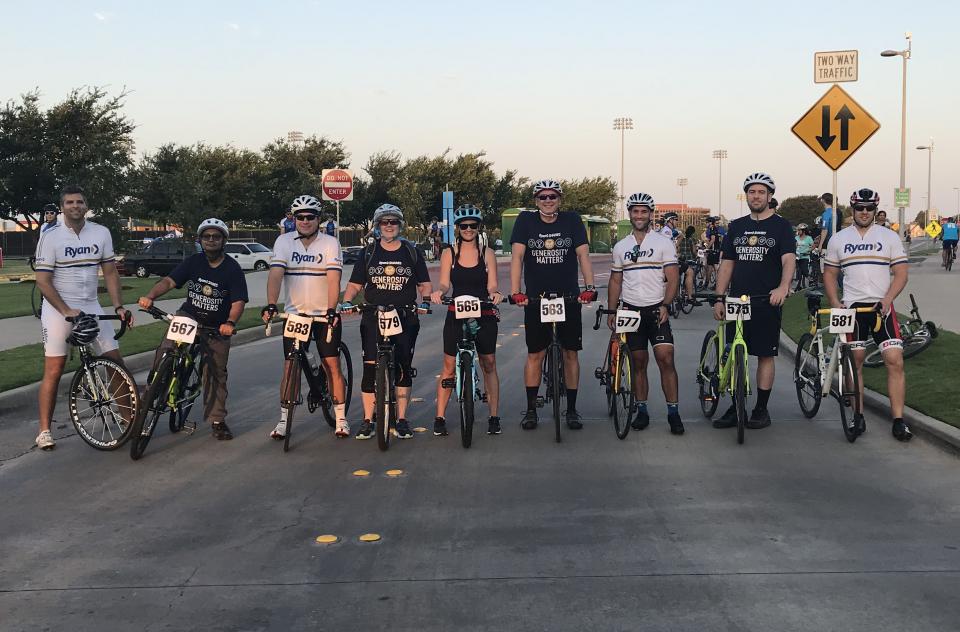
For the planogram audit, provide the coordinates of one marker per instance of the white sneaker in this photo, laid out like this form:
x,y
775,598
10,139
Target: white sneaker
x,y
280,431
45,441
343,428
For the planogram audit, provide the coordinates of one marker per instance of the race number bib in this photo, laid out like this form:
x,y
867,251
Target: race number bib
x,y
842,321
182,329
626,322
297,327
736,309
466,307
552,310
389,323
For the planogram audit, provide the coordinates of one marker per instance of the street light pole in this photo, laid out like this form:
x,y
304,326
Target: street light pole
x,y
684,216
957,189
720,154
622,124
929,149
903,121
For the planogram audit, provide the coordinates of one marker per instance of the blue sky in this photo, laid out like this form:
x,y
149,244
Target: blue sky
x,y
536,85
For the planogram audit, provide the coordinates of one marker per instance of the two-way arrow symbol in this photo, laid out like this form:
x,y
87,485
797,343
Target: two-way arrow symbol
x,y
826,138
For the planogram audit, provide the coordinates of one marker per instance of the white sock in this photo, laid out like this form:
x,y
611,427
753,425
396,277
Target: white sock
x,y
340,411
283,414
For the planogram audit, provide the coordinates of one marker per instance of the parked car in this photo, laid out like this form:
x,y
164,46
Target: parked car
x,y
249,254
159,257
351,254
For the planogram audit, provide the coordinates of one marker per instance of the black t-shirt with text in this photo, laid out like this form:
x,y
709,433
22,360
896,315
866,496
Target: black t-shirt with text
x,y
390,277
550,261
210,291
756,248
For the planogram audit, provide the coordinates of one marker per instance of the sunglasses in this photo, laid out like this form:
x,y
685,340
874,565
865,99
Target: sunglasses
x,y
305,217
549,196
389,222
865,209
468,226
211,237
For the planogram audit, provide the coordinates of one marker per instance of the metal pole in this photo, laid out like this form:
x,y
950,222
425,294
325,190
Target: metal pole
x,y
901,211
338,221
833,216
720,187
929,169
622,209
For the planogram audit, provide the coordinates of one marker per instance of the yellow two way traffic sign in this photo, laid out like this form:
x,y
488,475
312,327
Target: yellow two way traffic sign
x,y
835,127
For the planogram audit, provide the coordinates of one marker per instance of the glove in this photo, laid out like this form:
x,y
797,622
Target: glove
x,y
269,311
333,318
423,307
346,306
518,297
588,295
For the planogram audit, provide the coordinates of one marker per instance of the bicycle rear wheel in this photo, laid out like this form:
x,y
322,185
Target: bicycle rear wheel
x,y
686,304
291,395
383,407
103,403
623,398
740,390
467,394
153,404
36,301
708,378
613,349
807,377
555,359
849,395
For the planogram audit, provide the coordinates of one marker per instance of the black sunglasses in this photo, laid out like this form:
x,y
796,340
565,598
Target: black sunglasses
x,y
549,196
389,222
468,226
211,237
305,217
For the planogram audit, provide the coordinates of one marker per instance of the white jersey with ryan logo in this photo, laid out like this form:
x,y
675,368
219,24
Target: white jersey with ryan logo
x,y
75,260
305,271
642,266
866,261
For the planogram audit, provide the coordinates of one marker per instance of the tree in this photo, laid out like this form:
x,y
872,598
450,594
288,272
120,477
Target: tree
x,y
383,169
290,170
590,196
801,209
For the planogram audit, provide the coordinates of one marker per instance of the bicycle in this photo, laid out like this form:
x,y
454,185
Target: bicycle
x,y
467,377
299,328
616,374
103,397
177,381
815,366
729,372
389,324
36,297
916,334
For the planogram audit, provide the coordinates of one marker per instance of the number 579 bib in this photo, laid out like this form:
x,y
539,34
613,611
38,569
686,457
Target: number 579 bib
x,y
389,323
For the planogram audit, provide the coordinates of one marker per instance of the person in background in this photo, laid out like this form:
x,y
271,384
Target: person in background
x,y
50,213
330,226
826,220
288,224
804,246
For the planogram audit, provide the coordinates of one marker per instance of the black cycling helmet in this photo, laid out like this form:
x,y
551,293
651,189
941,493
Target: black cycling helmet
x,y
865,198
85,330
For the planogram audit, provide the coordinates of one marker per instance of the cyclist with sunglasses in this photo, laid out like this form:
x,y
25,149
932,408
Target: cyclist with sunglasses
x,y
390,273
311,264
468,268
547,247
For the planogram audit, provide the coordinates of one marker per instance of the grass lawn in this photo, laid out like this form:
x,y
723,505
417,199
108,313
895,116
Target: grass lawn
x,y
15,297
16,266
925,372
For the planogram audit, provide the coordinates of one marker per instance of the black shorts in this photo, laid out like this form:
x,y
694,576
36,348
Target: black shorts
x,y
569,332
319,334
404,343
949,243
887,337
651,332
762,331
713,257
485,339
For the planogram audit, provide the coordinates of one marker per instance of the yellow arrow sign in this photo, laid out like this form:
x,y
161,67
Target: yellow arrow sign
x,y
835,127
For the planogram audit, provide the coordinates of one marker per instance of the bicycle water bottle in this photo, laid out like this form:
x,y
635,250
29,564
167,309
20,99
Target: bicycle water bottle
x,y
312,361
473,326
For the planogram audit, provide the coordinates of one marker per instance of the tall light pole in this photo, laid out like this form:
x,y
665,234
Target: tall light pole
x,y
720,154
741,197
684,219
903,119
295,138
957,189
622,124
929,149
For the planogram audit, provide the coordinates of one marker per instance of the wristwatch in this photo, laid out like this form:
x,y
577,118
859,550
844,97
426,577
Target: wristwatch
x,y
231,323
117,308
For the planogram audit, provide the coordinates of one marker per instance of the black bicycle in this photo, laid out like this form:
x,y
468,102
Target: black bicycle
x,y
103,397
36,298
299,328
916,333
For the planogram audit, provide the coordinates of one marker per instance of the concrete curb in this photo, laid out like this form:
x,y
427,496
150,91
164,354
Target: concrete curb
x,y
939,431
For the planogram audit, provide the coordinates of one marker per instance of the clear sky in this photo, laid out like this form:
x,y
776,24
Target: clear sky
x,y
536,85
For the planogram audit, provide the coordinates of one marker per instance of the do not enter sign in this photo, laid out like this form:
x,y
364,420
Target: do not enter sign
x,y
337,185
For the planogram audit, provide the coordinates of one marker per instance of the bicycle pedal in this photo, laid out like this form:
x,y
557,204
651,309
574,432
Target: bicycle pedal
x,y
541,400
483,397
189,427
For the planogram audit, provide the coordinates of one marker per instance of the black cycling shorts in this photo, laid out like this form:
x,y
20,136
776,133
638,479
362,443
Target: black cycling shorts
x,y
713,257
651,332
762,331
887,337
319,334
949,243
569,332
485,339
404,343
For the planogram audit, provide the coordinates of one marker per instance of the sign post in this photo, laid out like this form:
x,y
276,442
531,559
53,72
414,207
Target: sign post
x,y
336,186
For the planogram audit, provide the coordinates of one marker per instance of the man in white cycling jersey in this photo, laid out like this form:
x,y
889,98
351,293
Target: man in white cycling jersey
x,y
640,262
874,268
311,264
68,259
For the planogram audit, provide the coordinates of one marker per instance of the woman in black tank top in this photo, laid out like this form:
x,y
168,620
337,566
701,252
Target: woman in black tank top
x,y
467,268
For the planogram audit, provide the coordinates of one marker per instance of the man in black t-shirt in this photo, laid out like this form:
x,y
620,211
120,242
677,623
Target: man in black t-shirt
x,y
391,274
216,294
547,246
758,260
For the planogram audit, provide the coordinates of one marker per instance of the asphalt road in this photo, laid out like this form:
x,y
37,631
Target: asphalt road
x,y
794,530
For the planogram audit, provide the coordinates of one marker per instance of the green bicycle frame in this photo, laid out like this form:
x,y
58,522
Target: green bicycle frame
x,y
726,363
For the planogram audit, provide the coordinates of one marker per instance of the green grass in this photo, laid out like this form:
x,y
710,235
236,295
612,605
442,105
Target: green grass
x,y
15,297
925,372
16,267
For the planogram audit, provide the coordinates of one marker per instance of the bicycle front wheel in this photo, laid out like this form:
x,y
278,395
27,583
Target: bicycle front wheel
x,y
686,305
555,359
807,377
740,390
708,379
467,393
190,381
383,407
291,395
153,404
103,403
623,399
849,392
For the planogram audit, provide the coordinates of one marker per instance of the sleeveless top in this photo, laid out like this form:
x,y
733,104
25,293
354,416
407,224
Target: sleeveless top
x,y
471,281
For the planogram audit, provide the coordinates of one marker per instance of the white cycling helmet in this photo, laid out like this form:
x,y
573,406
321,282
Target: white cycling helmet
x,y
388,210
542,185
213,222
305,203
641,199
760,178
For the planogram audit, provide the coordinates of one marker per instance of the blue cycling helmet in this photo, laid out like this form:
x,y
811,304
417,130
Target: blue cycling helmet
x,y
467,211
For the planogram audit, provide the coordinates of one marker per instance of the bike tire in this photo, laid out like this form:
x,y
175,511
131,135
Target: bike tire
x,y
291,377
555,359
153,404
467,394
849,395
382,406
915,344
686,305
873,358
326,398
623,396
709,375
95,433
36,301
190,385
740,390
612,347
807,376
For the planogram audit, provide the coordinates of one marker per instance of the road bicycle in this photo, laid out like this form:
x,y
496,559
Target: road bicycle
x,y
729,371
176,382
468,310
916,334
951,255
103,397
299,328
36,298
616,374
816,365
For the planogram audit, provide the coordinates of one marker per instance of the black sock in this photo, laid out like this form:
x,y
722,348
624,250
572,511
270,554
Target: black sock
x,y
532,397
763,396
571,400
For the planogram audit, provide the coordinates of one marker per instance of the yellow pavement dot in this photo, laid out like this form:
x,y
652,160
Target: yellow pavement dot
x,y
419,429
394,473
361,473
327,539
370,537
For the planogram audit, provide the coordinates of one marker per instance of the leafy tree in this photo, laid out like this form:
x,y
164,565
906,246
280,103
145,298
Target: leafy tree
x,y
590,196
800,209
291,170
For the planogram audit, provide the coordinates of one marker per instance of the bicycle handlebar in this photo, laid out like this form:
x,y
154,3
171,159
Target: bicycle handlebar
x,y
159,314
268,326
567,298
484,302
712,297
124,322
